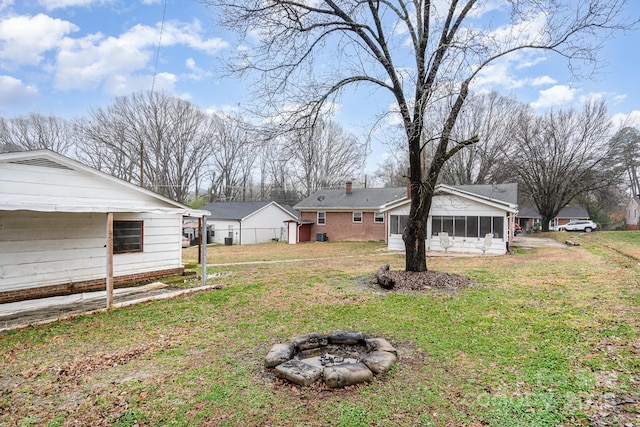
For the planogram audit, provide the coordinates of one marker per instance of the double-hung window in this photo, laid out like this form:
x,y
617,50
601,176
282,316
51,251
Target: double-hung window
x,y
322,218
357,217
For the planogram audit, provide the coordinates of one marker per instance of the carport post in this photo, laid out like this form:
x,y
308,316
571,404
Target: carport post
x,y
203,241
109,246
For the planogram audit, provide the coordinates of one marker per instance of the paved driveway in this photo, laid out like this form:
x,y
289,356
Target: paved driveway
x,y
527,241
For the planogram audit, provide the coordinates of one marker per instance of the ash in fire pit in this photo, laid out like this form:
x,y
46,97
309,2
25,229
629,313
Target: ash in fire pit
x,y
341,358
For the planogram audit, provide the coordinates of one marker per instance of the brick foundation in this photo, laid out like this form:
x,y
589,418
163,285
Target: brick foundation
x,y
85,286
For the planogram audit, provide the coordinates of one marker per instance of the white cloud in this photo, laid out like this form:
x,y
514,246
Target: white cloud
x,y
15,92
4,4
88,62
25,39
543,81
621,120
124,84
529,31
554,96
197,73
500,73
62,4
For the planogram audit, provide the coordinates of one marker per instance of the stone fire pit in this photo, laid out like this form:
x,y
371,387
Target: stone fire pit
x,y
341,358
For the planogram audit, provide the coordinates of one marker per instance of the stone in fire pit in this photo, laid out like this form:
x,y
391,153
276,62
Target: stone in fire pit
x,y
341,358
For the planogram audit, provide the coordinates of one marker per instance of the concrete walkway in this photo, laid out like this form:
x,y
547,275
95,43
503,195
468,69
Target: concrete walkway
x,y
532,241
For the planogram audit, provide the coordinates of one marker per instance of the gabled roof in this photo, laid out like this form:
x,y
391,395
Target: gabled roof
x,y
573,212
44,181
360,198
241,210
503,192
568,212
528,212
504,195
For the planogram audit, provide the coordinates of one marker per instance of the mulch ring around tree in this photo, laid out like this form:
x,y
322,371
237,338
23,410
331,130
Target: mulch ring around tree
x,y
405,281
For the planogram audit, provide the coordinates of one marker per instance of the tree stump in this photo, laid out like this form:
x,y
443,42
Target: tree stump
x,y
382,278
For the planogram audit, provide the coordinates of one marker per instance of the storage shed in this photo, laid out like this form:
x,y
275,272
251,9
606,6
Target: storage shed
x,y
68,228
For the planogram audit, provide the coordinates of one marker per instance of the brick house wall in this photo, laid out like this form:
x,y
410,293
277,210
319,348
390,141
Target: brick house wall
x,y
339,226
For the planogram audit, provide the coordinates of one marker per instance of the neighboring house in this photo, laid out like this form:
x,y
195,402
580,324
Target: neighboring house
x,y
528,216
467,213
568,213
242,223
633,213
54,217
529,219
349,214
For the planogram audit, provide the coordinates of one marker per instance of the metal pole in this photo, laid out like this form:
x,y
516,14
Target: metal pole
x,y
203,239
199,240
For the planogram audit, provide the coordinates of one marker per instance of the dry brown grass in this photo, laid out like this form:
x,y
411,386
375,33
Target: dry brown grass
x,y
551,337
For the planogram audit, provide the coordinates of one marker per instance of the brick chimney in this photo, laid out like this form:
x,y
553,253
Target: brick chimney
x,y
349,187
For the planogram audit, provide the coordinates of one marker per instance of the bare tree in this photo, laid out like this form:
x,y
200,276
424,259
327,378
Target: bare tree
x,y
490,116
415,51
35,132
233,156
392,171
323,155
154,139
562,155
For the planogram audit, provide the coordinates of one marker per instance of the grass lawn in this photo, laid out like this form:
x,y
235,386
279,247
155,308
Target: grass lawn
x,y
550,338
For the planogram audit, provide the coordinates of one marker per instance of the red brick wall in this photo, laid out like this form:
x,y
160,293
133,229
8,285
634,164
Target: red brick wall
x,y
86,286
340,226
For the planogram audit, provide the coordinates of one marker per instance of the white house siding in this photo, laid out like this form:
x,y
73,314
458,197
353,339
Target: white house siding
x,y
446,205
24,182
48,248
262,226
265,225
221,230
633,214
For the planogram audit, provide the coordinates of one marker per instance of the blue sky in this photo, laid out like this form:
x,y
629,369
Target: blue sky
x,y
64,57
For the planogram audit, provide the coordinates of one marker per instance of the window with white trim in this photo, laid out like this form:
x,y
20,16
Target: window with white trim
x,y
322,218
357,217
378,217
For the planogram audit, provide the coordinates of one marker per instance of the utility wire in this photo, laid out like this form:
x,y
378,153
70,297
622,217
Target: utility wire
x,y
155,70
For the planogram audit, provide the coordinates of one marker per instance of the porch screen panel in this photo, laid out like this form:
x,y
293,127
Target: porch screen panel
x,y
436,225
498,227
447,225
460,226
485,225
397,224
472,226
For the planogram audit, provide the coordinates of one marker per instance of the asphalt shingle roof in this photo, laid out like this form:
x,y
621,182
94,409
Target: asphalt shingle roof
x,y
238,210
360,198
503,192
373,198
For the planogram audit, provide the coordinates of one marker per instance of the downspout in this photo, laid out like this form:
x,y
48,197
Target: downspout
x,y
240,238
